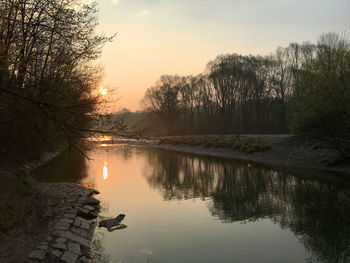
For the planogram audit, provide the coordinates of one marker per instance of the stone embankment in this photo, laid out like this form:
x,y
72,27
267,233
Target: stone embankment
x,y
70,233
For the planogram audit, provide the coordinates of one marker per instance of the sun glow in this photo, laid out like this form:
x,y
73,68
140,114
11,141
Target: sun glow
x,y
103,91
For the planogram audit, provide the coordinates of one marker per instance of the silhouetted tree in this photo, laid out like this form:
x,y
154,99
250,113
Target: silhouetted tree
x,y
47,82
253,94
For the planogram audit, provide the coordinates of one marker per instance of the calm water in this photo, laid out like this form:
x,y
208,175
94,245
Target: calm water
x,y
185,208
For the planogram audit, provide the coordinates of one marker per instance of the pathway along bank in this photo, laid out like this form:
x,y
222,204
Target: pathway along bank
x,y
70,234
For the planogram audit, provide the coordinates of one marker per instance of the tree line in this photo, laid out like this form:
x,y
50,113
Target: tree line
x,y
47,79
300,88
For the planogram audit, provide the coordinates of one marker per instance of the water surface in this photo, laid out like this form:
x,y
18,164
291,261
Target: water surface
x,y
186,208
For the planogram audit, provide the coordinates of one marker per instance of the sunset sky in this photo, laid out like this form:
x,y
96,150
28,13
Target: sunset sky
x,y
157,37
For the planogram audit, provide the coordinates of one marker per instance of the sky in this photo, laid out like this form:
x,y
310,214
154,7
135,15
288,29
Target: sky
x,y
157,37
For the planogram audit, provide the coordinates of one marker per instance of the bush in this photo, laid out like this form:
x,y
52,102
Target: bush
x,y
321,101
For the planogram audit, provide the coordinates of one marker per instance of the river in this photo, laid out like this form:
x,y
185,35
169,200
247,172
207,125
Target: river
x,y
187,208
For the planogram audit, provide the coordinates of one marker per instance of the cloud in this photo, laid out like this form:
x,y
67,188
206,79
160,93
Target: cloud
x,y
143,13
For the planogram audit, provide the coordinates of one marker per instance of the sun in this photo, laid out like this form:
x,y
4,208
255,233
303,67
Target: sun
x,y
103,91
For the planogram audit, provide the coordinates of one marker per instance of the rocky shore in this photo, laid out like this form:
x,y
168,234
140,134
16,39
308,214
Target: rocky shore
x,y
70,232
46,222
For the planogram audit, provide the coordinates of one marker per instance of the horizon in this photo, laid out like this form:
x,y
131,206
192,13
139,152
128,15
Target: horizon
x,y
157,38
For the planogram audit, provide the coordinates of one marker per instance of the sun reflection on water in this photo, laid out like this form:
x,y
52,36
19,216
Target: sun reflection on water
x,y
105,138
105,171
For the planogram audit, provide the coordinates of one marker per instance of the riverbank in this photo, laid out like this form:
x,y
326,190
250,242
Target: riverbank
x,y
284,152
70,232
45,222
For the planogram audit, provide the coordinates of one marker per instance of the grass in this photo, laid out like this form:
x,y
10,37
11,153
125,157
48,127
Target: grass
x,y
16,199
236,143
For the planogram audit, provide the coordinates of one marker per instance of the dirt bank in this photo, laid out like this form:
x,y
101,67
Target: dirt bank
x,y
286,151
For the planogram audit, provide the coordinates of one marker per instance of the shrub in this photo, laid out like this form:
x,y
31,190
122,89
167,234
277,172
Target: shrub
x,y
320,102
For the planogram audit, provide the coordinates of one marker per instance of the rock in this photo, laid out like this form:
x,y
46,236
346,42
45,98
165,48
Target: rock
x,y
79,231
83,259
85,226
74,237
42,247
74,247
89,208
70,237
70,216
87,253
91,201
70,200
59,246
82,211
93,215
69,257
61,240
82,223
61,223
113,224
66,220
37,255
77,221
56,253
87,214
71,210
91,192
61,227
81,199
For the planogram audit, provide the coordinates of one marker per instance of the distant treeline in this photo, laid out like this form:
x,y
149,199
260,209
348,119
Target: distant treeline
x,y
46,79
300,88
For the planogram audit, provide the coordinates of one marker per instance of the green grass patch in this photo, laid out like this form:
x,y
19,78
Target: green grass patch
x,y
236,143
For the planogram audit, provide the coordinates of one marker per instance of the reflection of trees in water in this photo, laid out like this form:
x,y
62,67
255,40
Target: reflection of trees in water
x,y
124,150
69,166
178,177
247,194
318,212
321,217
